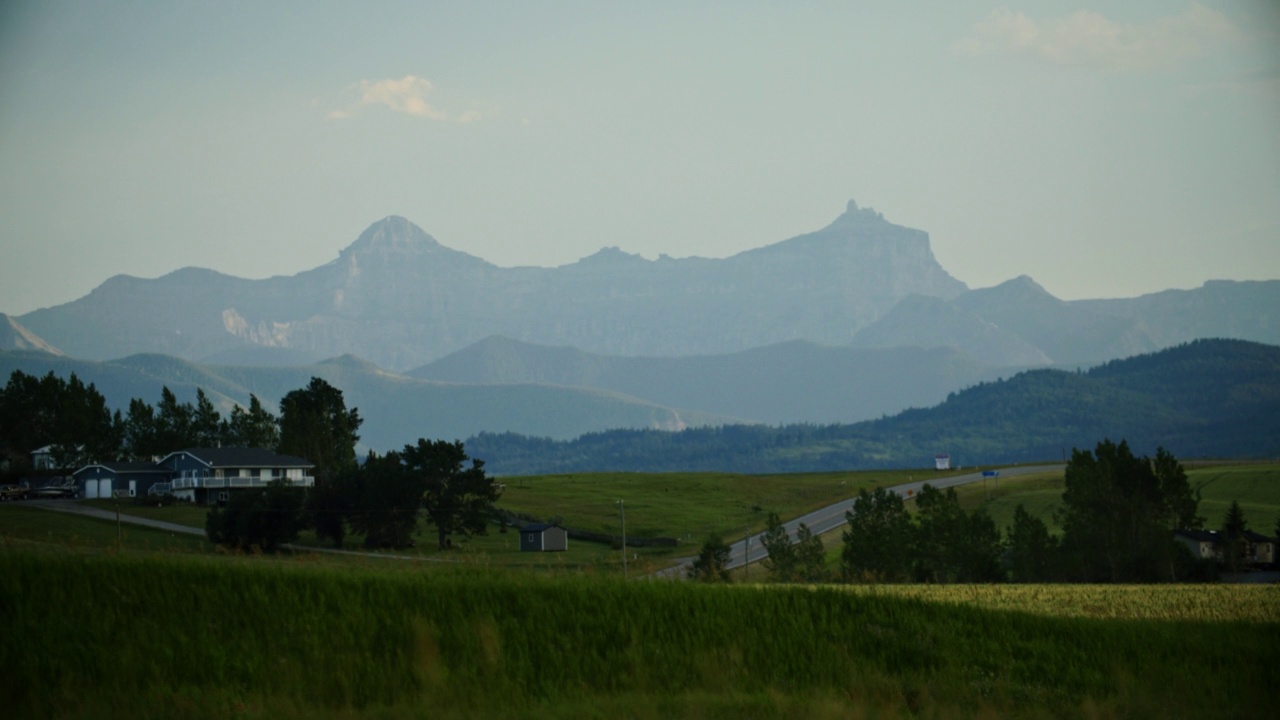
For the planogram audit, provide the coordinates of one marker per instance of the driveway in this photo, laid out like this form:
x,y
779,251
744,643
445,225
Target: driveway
x,y
78,508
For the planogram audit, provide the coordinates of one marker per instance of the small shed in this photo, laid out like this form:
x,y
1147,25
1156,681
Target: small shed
x,y
942,461
543,537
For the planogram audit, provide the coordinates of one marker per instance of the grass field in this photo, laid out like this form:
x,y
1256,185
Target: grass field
x,y
189,636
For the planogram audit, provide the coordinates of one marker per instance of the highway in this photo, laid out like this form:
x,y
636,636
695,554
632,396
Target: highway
x,y
832,516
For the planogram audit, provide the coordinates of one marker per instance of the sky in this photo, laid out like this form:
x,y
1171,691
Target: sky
x,y
1106,149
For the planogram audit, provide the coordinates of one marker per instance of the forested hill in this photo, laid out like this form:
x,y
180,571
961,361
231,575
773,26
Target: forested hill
x,y
1208,398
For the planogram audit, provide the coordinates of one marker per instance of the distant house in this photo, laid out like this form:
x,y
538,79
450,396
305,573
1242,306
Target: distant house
x,y
1211,545
42,458
208,475
942,462
1203,544
543,537
132,479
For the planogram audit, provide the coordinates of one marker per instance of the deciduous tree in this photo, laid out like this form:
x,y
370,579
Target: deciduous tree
x,y
315,424
1119,514
458,499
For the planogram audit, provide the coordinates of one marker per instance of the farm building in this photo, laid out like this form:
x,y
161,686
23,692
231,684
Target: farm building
x,y
543,537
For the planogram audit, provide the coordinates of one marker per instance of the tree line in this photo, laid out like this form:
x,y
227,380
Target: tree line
x,y
1118,517
382,498
73,420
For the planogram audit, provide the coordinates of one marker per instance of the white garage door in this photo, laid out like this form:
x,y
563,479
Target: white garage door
x,y
91,489
104,488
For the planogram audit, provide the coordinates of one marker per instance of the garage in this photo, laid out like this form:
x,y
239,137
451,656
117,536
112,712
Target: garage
x,y
91,489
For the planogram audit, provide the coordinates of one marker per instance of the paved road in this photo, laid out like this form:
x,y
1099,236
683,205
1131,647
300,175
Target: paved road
x,y
78,508
832,516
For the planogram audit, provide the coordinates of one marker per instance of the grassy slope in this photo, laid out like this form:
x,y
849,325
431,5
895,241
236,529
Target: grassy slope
x,y
191,637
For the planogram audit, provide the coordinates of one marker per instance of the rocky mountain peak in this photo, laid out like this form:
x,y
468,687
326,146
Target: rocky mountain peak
x,y
392,235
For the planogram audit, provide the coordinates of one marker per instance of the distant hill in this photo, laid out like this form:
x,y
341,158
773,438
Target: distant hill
x,y
789,382
1020,323
1208,398
397,409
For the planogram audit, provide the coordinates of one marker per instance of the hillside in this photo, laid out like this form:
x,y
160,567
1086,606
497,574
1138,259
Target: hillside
x,y
789,382
1209,398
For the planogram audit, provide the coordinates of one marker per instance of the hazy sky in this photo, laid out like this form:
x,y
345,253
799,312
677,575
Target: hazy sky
x,y
1105,149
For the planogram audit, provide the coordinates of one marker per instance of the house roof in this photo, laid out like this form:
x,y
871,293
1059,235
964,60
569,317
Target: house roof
x,y
538,527
126,467
228,457
1216,536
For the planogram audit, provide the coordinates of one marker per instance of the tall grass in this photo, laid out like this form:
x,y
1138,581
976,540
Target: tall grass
x,y
103,636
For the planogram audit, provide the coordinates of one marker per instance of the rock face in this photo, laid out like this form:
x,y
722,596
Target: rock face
x,y
13,336
401,299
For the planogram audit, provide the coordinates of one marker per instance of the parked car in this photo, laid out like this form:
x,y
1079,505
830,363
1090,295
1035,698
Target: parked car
x,y
12,492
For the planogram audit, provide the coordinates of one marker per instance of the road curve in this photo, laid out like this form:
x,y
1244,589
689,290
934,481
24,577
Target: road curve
x,y
832,516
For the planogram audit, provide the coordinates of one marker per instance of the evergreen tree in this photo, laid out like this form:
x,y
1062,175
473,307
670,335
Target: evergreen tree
x,y
811,556
206,423
174,423
140,438
1235,543
877,542
782,562
254,428
389,501
1032,550
712,563
952,545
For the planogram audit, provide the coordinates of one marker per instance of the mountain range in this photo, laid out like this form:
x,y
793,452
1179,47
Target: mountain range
x,y
400,299
849,323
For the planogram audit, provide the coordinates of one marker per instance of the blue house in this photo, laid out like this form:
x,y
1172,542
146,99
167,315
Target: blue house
x,y
131,479
208,475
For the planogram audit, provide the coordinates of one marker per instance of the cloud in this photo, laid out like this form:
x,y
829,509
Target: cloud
x,y
1087,38
406,95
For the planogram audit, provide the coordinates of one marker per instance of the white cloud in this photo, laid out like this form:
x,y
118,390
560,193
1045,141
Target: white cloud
x,y
406,95
1089,38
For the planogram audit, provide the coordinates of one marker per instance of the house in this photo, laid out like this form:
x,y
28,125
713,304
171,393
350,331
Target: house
x,y
1203,544
543,537
208,475
42,458
132,479
1210,544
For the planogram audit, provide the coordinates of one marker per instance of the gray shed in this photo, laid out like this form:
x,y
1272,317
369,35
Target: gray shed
x,y
543,537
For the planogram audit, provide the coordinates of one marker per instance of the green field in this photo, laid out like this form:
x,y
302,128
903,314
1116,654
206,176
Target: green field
x,y
160,635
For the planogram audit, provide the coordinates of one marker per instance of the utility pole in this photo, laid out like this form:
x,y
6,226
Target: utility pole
x,y
623,509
